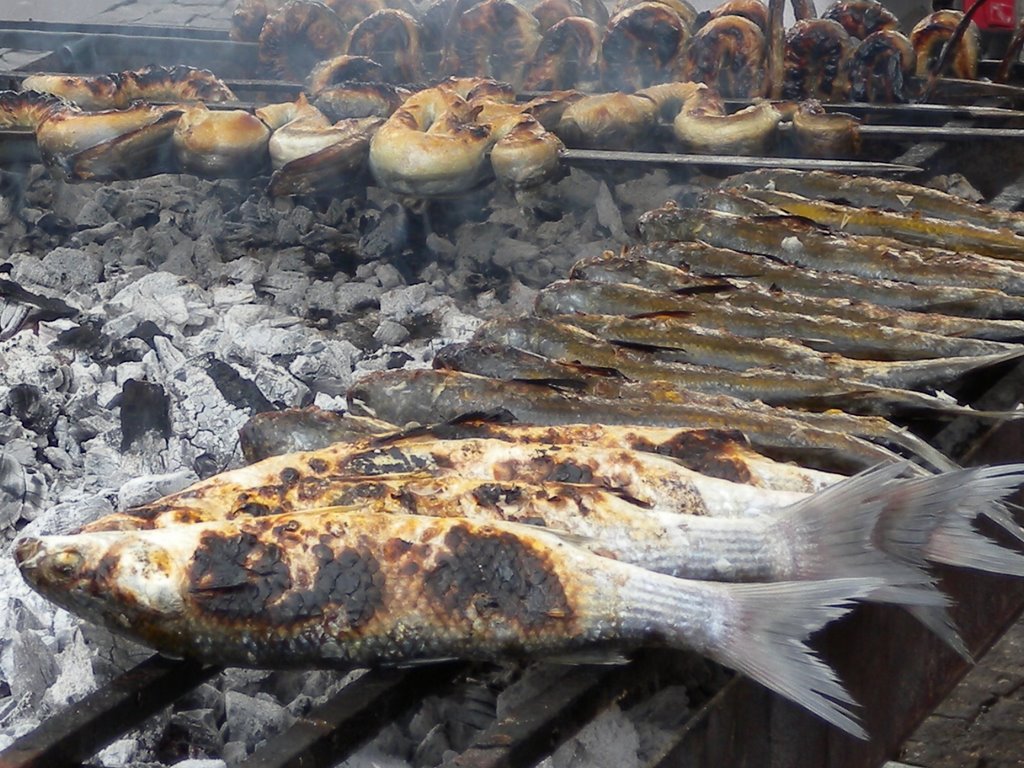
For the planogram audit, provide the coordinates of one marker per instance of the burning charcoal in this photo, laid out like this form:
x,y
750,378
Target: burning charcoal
x,y
145,407
253,719
172,302
29,405
608,214
354,297
236,389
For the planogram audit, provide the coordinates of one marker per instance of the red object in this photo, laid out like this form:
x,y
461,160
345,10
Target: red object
x,y
995,14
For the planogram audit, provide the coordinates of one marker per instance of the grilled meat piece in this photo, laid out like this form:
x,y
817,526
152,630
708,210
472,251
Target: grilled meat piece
x,y
643,45
119,90
392,38
343,69
27,109
929,36
817,133
881,68
702,125
817,60
494,38
862,18
728,54
607,121
299,35
752,10
221,143
567,56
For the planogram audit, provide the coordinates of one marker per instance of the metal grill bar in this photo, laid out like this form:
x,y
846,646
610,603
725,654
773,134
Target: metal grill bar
x,y
109,712
335,729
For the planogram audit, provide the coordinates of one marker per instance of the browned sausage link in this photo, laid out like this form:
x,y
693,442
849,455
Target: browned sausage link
x,y
567,56
861,18
929,36
755,10
494,38
298,36
817,61
643,46
881,67
550,12
728,54
392,38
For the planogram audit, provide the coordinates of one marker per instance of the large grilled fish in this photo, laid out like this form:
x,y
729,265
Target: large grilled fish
x,y
912,227
427,396
796,241
272,433
726,454
343,590
888,194
757,283
703,259
757,314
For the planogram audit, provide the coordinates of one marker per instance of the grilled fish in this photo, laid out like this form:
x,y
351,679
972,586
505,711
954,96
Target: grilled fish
x,y
673,339
726,454
796,241
630,268
769,386
704,259
272,433
755,314
911,227
342,590
887,194
426,396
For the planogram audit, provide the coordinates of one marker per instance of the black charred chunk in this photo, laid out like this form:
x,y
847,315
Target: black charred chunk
x,y
237,578
241,578
496,575
707,451
494,494
383,462
570,472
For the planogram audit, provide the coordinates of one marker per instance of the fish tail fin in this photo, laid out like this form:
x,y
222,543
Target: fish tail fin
x,y
764,634
937,619
954,499
842,531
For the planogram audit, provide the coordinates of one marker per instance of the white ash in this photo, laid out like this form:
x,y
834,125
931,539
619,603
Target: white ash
x,y
199,303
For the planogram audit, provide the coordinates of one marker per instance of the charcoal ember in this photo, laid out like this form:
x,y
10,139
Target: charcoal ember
x,y
208,218
145,408
141,490
288,288
510,253
224,296
390,334
63,270
86,205
98,235
236,389
194,733
385,233
30,666
657,718
352,297
175,304
245,270
254,719
35,408
326,366
23,489
608,741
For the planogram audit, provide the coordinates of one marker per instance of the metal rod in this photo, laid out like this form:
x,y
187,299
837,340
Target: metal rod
x,y
945,111
85,28
574,156
84,728
938,133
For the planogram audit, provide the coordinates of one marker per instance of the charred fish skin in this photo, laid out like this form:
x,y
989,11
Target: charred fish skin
x,y
800,243
272,433
343,590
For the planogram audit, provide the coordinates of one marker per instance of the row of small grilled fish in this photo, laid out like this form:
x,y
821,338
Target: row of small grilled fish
x,y
485,540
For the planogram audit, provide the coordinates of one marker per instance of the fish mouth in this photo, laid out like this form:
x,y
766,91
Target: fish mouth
x,y
28,552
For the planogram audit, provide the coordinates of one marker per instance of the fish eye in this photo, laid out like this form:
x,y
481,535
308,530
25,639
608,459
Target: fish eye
x,y
66,564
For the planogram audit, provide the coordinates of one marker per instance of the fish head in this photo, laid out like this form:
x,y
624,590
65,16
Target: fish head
x,y
120,580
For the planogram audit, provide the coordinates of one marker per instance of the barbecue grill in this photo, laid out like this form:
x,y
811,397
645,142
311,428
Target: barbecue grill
x,y
977,133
